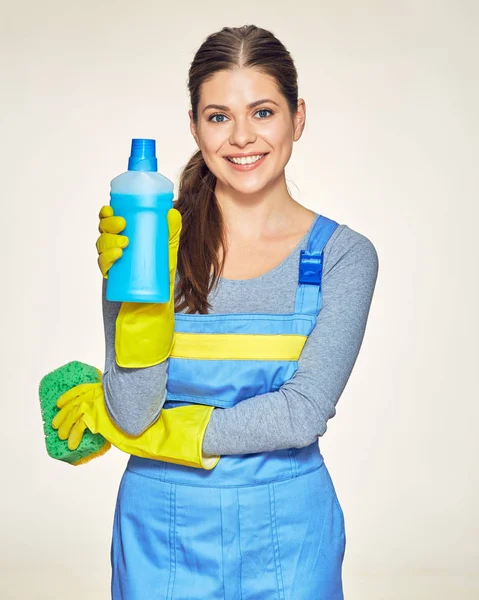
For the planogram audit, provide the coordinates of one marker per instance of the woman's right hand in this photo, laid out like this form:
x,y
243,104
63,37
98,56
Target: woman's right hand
x,y
109,245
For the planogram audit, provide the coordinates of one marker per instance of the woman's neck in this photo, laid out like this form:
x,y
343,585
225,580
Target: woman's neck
x,y
257,216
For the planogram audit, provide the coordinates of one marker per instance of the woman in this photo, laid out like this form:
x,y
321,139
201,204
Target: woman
x,y
271,304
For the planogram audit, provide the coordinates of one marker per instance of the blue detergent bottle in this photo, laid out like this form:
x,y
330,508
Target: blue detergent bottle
x,y
143,197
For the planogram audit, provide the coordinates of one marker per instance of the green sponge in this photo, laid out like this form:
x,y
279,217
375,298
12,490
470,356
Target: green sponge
x,y
52,386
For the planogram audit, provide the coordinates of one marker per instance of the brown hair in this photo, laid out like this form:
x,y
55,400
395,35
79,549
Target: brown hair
x,y
203,231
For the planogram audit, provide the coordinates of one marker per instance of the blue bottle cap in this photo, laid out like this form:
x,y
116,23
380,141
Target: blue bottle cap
x,y
143,155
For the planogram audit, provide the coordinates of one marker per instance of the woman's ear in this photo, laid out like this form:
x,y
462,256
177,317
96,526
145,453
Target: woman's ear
x,y
193,128
299,120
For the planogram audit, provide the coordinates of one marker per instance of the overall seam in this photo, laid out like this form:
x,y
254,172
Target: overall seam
x,y
241,317
232,486
274,533
239,545
172,535
222,546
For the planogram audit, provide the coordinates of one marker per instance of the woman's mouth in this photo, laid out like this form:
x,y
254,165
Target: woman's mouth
x,y
246,163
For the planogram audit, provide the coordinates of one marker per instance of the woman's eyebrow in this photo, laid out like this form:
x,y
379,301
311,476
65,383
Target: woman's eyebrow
x,y
252,105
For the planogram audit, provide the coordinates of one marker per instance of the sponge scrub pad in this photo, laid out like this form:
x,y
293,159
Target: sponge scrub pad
x,y
52,386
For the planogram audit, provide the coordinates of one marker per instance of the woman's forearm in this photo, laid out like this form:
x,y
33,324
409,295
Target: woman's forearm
x,y
133,397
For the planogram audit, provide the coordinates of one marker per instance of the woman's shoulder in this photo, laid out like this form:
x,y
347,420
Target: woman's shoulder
x,y
346,245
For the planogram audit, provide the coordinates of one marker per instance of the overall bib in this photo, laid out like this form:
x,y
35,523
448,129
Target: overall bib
x,y
263,526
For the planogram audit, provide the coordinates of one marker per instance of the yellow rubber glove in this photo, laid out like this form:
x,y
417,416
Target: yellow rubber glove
x,y
144,331
110,245
176,437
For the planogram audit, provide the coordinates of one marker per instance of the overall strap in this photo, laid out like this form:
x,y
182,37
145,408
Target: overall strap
x,y
308,294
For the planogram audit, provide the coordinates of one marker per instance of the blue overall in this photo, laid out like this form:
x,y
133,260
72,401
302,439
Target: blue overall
x,y
264,526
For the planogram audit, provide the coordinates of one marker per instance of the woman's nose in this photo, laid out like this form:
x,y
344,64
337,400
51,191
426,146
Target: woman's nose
x,y
242,133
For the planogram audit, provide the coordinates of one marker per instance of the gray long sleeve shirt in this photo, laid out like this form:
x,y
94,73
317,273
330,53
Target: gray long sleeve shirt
x,y
297,414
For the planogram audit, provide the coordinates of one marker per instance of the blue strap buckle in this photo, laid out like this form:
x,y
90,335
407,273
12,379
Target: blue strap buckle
x,y
310,268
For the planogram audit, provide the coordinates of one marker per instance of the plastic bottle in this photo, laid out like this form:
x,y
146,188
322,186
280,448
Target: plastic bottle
x,y
143,197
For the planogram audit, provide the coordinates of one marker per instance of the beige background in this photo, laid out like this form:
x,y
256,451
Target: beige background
x,y
390,149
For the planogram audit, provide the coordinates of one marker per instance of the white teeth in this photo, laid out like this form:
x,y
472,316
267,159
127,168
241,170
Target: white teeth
x,y
247,160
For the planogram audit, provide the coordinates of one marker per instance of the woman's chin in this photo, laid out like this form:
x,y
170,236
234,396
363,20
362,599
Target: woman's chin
x,y
249,187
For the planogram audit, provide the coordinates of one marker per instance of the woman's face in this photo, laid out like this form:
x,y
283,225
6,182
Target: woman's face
x,y
242,112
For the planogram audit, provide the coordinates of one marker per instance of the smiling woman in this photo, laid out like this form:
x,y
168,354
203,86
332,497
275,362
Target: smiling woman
x,y
271,305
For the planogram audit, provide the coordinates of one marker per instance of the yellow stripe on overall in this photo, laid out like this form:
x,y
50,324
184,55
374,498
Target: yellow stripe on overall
x,y
224,346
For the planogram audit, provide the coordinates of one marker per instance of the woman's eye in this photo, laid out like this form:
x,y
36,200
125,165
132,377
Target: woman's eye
x,y
265,110
212,118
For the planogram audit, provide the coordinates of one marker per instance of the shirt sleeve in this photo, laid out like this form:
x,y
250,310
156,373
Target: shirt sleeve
x,y
133,397
297,414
